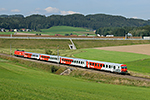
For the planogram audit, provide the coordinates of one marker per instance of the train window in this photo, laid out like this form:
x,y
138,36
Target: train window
x,y
109,66
79,62
98,65
95,64
90,64
106,66
114,67
103,65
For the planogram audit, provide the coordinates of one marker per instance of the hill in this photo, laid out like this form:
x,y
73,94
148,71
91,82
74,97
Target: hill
x,y
67,30
37,22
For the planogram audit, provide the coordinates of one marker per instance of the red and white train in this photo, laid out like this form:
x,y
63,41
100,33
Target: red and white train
x,y
100,65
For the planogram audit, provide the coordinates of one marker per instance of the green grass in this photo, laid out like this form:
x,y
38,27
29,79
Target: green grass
x,y
59,30
141,66
63,44
135,62
39,46
17,82
66,30
7,33
110,56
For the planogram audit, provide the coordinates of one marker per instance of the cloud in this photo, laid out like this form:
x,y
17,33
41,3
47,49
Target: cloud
x,y
135,17
15,10
56,10
52,10
2,9
67,12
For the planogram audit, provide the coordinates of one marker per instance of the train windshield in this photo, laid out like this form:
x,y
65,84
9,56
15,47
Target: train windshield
x,y
124,67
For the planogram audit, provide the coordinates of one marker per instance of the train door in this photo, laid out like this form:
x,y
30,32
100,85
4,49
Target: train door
x,y
87,64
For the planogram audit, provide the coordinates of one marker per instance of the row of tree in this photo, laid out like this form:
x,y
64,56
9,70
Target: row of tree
x,y
104,24
122,31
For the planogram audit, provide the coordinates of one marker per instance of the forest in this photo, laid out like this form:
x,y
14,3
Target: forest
x,y
102,23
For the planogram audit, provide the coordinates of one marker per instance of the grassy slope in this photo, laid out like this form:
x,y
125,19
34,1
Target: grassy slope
x,y
17,82
59,30
135,62
66,30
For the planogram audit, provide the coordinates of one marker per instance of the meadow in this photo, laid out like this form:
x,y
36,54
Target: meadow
x,y
21,82
40,46
63,44
135,62
62,30
28,80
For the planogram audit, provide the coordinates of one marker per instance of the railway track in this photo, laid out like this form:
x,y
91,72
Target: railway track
x,y
84,69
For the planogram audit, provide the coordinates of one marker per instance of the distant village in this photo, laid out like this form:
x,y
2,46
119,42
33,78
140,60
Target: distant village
x,y
14,30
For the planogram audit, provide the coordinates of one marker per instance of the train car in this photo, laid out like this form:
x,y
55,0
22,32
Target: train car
x,y
32,55
19,53
51,58
112,67
73,61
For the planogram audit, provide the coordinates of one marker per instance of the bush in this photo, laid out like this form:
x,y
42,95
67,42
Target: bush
x,y
48,52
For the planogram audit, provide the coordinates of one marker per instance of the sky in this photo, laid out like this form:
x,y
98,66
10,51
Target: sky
x,y
139,9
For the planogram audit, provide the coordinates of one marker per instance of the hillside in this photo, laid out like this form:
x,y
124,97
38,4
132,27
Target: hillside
x,y
22,82
66,30
37,22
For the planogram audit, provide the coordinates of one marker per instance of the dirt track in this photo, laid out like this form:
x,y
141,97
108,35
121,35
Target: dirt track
x,y
141,49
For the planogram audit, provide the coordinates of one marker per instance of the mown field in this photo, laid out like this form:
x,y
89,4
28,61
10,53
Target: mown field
x,y
62,30
21,82
135,62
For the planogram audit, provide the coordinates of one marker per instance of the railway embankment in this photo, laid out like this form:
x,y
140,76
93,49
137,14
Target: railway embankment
x,y
82,73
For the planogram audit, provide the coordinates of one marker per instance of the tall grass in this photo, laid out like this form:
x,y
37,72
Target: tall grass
x,y
63,44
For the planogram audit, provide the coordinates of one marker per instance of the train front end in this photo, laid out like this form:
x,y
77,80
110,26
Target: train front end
x,y
124,68
19,53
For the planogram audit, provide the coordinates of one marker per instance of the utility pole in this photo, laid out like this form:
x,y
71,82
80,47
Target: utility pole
x,y
10,49
58,54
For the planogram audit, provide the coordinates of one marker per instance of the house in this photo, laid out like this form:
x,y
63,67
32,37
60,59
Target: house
x,y
2,30
23,30
15,30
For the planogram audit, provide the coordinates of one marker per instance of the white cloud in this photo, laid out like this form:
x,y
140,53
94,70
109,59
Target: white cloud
x,y
15,10
52,10
56,10
2,9
68,12
135,17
